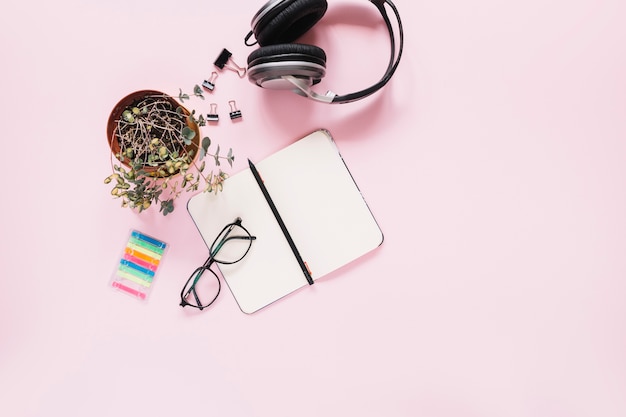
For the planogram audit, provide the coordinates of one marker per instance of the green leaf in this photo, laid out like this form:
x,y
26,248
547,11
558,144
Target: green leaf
x,y
230,158
206,142
188,135
182,96
197,91
128,116
167,207
217,156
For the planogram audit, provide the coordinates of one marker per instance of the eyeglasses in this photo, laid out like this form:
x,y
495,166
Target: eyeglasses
x,y
229,247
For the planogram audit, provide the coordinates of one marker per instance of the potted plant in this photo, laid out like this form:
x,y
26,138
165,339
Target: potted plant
x,y
158,152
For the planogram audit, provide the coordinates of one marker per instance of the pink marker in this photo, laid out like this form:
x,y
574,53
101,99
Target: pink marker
x,y
129,290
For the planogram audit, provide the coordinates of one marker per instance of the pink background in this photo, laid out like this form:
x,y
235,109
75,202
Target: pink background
x,y
494,161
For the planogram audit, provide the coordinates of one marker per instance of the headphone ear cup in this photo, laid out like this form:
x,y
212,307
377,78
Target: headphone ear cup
x,y
268,64
286,23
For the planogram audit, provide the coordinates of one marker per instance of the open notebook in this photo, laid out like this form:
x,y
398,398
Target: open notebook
x,y
320,206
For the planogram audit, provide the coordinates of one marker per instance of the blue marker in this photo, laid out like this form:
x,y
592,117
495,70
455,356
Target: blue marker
x,y
149,239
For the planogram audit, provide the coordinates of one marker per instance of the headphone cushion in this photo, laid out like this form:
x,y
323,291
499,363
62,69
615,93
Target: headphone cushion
x,y
287,52
290,23
272,62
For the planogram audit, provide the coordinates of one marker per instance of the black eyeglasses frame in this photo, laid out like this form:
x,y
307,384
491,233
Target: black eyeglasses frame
x,y
221,239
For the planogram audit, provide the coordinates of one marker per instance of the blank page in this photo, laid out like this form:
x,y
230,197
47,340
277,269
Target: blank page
x,y
320,203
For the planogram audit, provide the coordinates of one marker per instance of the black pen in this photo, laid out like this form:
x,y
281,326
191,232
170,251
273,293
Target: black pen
x,y
266,194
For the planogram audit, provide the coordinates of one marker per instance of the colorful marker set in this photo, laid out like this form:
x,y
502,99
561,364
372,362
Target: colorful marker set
x,y
136,270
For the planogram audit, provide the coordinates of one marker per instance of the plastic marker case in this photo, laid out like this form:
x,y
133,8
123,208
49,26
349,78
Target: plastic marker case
x,y
139,263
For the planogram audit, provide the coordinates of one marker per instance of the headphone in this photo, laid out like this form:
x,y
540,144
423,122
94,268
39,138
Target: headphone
x,y
281,65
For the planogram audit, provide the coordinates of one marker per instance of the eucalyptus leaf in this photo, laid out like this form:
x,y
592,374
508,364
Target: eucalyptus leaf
x,y
206,142
230,158
167,207
188,135
197,91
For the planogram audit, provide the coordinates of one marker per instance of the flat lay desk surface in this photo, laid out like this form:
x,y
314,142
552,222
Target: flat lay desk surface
x,y
494,162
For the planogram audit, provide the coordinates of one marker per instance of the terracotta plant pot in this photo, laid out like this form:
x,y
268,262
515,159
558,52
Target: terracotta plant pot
x,y
128,102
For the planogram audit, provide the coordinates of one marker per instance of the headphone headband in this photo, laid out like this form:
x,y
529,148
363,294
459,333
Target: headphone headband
x,y
271,8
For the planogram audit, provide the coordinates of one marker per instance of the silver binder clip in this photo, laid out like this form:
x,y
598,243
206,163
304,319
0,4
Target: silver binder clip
x,y
213,116
210,83
224,61
234,112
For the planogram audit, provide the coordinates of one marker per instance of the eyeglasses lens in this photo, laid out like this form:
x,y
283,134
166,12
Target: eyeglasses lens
x,y
202,288
231,245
